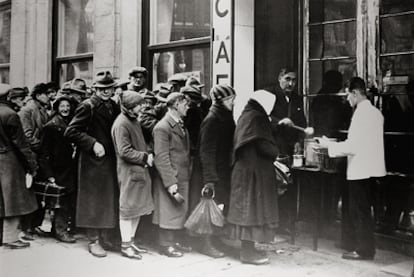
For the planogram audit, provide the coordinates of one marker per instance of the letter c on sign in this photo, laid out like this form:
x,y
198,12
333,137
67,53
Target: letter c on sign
x,y
219,13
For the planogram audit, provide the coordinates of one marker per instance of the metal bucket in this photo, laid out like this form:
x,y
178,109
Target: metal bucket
x,y
314,155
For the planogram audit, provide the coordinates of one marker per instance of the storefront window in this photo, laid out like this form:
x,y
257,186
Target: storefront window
x,y
70,70
180,19
180,39
194,62
332,41
75,35
5,20
75,27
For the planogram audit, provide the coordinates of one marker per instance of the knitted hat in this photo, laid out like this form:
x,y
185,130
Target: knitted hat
x,y
219,92
130,99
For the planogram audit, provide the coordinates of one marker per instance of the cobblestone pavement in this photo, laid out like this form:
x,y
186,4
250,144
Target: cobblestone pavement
x,y
46,257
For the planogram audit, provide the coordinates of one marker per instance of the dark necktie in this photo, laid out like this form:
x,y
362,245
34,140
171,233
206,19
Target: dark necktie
x,y
108,106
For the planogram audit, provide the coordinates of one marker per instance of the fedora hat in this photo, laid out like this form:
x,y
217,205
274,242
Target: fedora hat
x,y
104,79
78,85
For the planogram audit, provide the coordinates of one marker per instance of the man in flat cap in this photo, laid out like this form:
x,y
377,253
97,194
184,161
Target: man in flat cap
x,y
90,130
138,79
16,162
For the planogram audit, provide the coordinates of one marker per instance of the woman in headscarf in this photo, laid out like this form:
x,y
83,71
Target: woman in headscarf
x,y
253,212
133,160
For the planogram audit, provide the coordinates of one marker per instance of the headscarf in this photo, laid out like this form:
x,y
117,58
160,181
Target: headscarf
x,y
265,98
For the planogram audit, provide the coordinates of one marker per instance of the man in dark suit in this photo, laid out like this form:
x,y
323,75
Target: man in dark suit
x,y
90,130
288,111
171,186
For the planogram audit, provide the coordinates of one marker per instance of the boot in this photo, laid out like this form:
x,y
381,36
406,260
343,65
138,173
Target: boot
x,y
96,249
208,249
249,255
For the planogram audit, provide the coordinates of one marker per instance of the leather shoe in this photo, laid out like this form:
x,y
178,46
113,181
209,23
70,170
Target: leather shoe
x,y
18,244
252,256
182,248
139,249
209,250
355,256
27,236
130,252
171,252
66,238
96,249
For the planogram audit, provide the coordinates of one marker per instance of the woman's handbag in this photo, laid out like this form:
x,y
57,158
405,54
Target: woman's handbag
x,y
206,218
49,193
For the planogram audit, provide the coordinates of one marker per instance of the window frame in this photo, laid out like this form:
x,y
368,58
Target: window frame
x,y
151,49
58,61
6,5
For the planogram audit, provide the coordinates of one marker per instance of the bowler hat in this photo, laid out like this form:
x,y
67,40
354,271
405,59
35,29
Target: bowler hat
x,y
104,79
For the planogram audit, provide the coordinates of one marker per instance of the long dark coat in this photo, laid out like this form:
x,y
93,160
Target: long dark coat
x,y
134,180
172,160
16,159
286,137
97,202
253,198
212,163
56,157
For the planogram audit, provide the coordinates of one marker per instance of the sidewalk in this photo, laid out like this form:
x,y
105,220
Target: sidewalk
x,y
46,257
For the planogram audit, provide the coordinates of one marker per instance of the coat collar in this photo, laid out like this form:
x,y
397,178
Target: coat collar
x,y
174,125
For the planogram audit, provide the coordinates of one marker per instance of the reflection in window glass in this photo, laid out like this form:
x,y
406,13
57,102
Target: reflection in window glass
x,y
76,26
4,75
180,19
398,65
347,67
325,10
395,6
332,40
68,71
191,61
5,17
397,34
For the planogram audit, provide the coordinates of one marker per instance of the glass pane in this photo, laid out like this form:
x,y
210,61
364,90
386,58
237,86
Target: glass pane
x,y
4,75
180,19
332,40
395,6
397,34
398,108
190,61
68,71
76,26
324,10
5,17
347,67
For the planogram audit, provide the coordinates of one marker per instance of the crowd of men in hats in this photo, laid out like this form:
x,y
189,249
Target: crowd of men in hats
x,y
123,152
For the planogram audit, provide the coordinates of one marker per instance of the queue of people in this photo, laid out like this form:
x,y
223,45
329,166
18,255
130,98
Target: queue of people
x,y
123,152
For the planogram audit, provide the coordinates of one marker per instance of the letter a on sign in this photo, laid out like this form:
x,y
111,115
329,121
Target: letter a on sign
x,y
222,44
222,53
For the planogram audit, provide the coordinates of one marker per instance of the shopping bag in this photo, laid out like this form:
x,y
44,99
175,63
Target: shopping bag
x,y
283,177
206,218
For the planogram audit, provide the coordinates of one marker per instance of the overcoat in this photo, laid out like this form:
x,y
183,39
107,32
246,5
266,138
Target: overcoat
x,y
33,117
16,159
97,200
172,160
134,180
253,198
212,163
56,155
